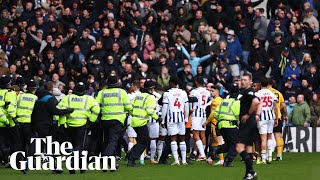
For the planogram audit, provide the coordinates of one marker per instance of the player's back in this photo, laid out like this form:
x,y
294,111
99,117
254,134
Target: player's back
x,y
202,95
176,99
269,100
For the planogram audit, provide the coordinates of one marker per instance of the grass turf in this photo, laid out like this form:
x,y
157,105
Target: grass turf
x,y
300,166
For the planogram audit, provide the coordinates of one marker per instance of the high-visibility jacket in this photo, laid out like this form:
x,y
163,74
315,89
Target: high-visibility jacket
x,y
85,108
25,105
8,95
214,104
144,106
3,118
227,113
114,104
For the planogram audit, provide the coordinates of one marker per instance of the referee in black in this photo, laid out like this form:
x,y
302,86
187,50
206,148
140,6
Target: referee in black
x,y
249,115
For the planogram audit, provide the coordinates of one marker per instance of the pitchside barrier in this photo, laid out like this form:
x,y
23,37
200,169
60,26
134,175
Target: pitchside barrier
x,y
301,139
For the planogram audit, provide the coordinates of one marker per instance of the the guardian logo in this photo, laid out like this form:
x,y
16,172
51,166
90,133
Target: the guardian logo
x,y
74,160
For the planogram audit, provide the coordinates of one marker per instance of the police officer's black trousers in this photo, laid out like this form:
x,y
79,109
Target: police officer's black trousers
x,y
76,135
25,136
143,141
4,147
230,136
111,131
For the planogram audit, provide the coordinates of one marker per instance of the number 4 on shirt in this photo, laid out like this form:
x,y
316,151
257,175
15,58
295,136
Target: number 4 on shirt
x,y
177,103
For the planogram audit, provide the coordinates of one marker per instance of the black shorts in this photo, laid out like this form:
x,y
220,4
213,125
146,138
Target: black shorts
x,y
278,129
247,131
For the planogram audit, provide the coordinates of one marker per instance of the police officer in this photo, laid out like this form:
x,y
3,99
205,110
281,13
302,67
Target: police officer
x,y
25,105
12,135
227,115
85,108
4,149
143,108
115,104
250,108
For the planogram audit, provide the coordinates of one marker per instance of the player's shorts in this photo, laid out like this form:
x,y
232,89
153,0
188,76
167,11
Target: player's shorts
x,y
163,131
265,127
153,130
247,131
197,123
278,128
131,132
176,128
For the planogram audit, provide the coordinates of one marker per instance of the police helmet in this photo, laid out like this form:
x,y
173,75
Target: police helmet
x,y
112,80
32,84
149,84
80,88
5,80
20,81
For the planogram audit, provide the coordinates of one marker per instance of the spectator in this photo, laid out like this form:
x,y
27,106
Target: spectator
x,y
315,110
3,69
294,72
260,26
56,82
310,19
300,114
305,90
235,49
193,59
290,105
163,78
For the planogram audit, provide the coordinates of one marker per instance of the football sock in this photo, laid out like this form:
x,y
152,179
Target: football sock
x,y
269,144
247,160
263,154
200,148
279,144
153,149
130,145
183,149
160,148
174,149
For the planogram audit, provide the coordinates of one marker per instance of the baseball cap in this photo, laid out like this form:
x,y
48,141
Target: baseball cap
x,y
231,32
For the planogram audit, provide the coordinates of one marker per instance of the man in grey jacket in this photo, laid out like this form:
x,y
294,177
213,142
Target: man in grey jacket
x,y
260,26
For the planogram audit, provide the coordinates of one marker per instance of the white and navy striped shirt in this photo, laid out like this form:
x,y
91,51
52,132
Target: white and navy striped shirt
x,y
199,107
269,100
158,107
176,100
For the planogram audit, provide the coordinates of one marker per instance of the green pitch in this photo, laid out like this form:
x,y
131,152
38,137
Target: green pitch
x,y
300,166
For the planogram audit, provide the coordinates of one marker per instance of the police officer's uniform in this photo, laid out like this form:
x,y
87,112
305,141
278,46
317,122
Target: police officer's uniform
x,y
227,115
144,106
114,104
85,108
25,105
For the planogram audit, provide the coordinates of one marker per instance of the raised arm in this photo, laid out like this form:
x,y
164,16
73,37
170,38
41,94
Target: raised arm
x,y
185,52
204,58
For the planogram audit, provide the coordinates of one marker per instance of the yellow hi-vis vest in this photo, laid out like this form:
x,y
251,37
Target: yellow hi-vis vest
x,y
227,113
3,118
114,104
144,106
85,108
8,95
25,105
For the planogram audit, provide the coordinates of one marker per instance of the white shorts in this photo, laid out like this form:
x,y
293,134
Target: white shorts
x,y
131,132
176,128
265,127
197,123
163,131
153,130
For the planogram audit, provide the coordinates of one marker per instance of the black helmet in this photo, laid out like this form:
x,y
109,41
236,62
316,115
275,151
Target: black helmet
x,y
149,84
5,80
32,84
20,81
80,88
112,80
234,90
